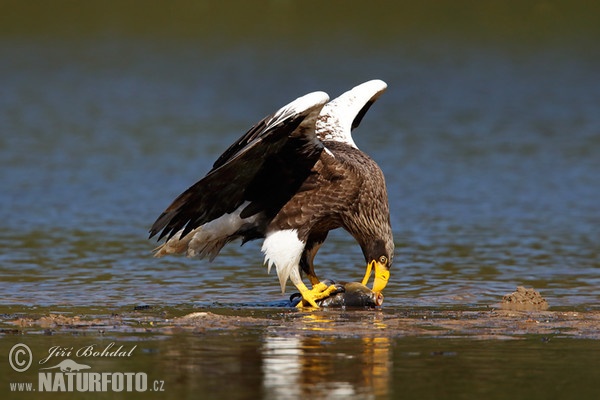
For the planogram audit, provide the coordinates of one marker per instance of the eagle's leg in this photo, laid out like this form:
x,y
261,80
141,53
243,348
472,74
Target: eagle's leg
x,y
310,297
307,260
314,279
306,263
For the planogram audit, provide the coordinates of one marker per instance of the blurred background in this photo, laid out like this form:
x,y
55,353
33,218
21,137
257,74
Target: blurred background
x,y
489,136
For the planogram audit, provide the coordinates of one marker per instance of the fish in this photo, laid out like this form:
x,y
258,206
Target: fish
x,y
349,294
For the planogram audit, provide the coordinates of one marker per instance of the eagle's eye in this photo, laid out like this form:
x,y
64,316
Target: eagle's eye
x,y
383,260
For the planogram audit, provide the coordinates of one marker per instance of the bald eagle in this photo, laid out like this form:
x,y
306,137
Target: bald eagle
x,y
293,177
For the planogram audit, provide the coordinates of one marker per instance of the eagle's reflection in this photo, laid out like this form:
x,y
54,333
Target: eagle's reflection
x,y
296,367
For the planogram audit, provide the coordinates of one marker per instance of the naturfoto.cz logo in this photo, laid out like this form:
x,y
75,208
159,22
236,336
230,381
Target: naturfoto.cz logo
x,y
72,376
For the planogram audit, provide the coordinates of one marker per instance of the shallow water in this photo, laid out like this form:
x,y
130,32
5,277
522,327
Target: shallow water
x,y
489,140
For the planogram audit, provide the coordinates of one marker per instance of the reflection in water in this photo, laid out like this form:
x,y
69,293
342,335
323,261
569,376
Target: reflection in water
x,y
297,367
282,366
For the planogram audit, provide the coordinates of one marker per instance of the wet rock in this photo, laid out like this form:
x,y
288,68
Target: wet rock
x,y
349,294
524,299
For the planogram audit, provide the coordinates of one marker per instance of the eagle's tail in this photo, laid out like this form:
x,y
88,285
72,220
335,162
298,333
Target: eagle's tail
x,y
197,243
207,240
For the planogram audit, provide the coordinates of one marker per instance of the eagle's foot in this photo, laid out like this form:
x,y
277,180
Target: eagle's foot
x,y
319,291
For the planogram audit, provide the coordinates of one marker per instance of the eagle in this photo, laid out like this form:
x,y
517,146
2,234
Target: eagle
x,y
293,177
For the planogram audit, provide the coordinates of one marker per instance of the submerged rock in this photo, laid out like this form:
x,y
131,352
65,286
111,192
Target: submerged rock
x,y
350,294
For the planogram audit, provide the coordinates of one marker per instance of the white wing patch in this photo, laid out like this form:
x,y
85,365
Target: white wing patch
x,y
298,106
336,117
283,249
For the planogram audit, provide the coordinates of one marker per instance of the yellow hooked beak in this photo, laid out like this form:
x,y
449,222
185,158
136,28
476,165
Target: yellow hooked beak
x,y
382,275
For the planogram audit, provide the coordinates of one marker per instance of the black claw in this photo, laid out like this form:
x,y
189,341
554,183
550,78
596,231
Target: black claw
x,y
339,288
295,298
328,282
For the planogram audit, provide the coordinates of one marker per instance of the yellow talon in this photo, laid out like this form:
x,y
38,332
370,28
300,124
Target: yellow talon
x,y
319,291
320,287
